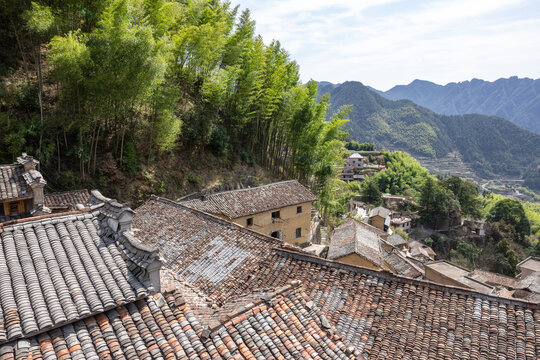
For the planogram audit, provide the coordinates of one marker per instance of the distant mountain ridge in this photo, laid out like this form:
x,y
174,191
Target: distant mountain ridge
x,y
515,99
492,146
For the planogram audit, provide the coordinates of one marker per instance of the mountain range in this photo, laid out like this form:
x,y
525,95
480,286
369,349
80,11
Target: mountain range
x,y
515,99
492,146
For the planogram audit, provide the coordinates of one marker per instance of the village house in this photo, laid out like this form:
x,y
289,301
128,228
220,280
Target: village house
x,y
420,251
380,218
22,192
474,226
21,189
354,244
446,273
401,222
360,244
281,210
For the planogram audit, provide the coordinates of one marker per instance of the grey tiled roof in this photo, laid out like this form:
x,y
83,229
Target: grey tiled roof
x,y
12,183
58,269
353,238
67,199
396,240
237,203
201,248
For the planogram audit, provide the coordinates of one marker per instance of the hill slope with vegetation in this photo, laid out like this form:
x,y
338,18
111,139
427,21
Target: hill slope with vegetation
x,y
493,146
104,92
515,99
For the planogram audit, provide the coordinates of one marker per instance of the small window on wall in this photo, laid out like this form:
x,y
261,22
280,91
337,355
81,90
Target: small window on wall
x,y
14,209
276,215
250,222
298,232
1,209
298,209
276,234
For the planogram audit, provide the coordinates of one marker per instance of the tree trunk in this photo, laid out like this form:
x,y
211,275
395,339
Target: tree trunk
x,y
25,62
40,94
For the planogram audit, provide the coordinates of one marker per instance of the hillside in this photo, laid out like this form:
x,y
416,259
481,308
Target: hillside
x,y
491,145
515,99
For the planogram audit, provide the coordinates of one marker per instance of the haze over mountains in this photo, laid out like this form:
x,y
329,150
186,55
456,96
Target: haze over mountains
x,y
491,145
515,99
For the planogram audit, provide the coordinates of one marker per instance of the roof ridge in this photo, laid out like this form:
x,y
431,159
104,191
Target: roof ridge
x,y
250,188
389,276
67,192
35,219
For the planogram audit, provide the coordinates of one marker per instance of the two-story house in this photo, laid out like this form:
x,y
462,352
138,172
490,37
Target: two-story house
x,y
281,210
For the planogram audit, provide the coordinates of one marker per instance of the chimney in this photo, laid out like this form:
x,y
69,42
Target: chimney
x,y
28,162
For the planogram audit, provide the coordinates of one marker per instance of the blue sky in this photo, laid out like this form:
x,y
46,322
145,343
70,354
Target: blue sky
x,y
383,43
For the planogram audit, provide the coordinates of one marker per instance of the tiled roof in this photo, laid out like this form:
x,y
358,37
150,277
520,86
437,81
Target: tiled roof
x,y
381,315
156,327
58,269
401,265
237,203
202,249
458,274
12,183
283,326
396,240
493,278
67,199
380,211
352,238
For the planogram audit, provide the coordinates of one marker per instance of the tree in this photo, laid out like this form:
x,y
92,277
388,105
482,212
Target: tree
x,y
466,194
435,203
371,193
512,213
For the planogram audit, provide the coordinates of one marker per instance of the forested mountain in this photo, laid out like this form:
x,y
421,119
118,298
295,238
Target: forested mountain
x,y
493,146
104,92
515,99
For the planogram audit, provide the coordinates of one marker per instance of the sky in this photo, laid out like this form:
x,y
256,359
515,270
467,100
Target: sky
x,y
383,43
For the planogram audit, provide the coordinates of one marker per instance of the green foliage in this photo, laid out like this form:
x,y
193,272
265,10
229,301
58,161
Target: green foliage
x,y
466,194
192,178
469,251
137,78
356,146
532,210
512,213
435,203
402,174
219,141
505,259
370,192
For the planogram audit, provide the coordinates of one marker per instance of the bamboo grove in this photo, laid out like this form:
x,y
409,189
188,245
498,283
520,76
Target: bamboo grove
x,y
137,79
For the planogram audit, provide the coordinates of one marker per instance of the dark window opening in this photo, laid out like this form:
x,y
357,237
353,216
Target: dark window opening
x,y
275,234
298,232
298,209
249,221
1,209
14,209
276,215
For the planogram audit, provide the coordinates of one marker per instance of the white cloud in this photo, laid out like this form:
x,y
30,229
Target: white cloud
x,y
386,42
